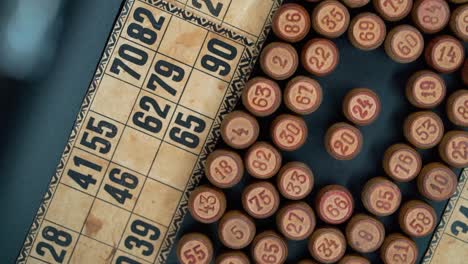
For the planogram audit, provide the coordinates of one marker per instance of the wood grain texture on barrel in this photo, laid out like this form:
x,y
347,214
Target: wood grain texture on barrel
x,y
445,54
303,95
459,22
437,182
401,162
296,220
353,259
367,31
327,245
423,129
381,197
291,22
236,230
232,257
431,16
261,96
355,3
398,249
404,44
343,141
364,233
289,132
453,149
279,60
457,108
224,168
417,218
194,248
361,106
393,10
207,204
239,130
330,18
269,248
295,180
262,160
334,204
260,199
425,89
320,56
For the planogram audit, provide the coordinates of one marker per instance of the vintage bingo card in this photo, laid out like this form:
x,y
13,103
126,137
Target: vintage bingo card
x,y
450,241
247,17
151,115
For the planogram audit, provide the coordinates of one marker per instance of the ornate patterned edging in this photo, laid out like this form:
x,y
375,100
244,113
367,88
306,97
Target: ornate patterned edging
x,y
230,101
445,219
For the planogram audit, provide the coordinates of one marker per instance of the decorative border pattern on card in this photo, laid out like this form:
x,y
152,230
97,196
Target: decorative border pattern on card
x,y
450,240
150,116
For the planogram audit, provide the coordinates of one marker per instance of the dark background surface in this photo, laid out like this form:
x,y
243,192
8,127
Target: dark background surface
x,y
37,116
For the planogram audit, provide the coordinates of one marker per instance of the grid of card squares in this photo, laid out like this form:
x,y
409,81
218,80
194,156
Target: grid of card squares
x,y
139,141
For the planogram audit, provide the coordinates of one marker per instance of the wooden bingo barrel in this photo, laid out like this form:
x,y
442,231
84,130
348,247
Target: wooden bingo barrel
x,y
334,204
296,221
431,16
330,18
320,56
269,248
355,3
289,132
295,180
398,249
343,141
353,259
393,10
453,148
291,22
327,245
364,233
459,22
401,162
404,44
279,60
239,130
261,96
232,257
423,129
361,106
445,54
381,197
457,108
207,204
303,95
417,218
307,261
236,230
367,31
194,248
260,199
425,89
437,182
262,160
224,168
